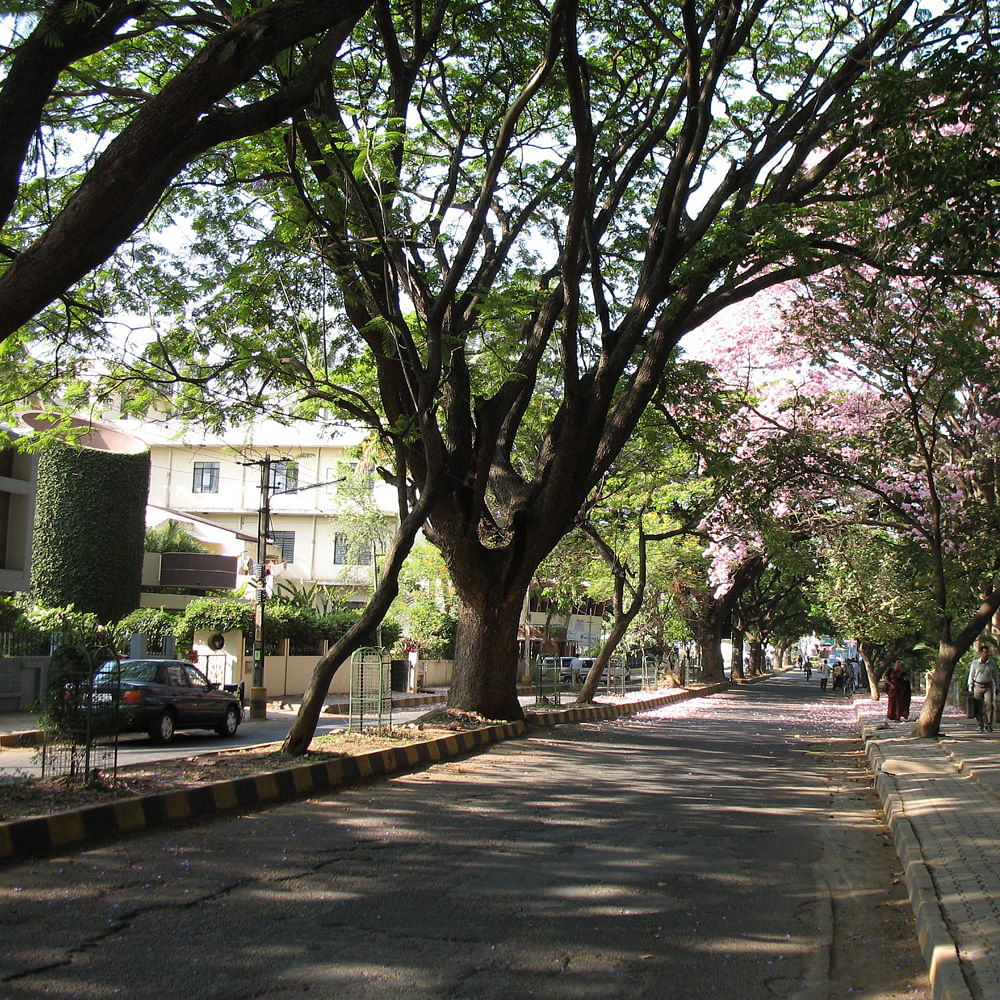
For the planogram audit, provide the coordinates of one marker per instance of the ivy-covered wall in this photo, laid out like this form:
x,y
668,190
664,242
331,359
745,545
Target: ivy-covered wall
x,y
90,522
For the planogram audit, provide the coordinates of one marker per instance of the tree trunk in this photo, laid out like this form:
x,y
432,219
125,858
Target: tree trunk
x,y
595,673
715,613
485,678
736,667
949,652
867,653
782,654
710,646
929,722
304,727
624,614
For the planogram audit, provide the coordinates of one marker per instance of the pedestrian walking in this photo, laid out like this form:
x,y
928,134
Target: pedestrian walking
x,y
899,691
982,685
850,677
824,674
839,675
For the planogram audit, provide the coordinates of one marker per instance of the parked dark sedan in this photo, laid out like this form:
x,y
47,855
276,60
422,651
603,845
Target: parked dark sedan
x,y
162,696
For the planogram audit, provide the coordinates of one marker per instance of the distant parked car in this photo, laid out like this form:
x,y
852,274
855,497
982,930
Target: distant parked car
x,y
161,696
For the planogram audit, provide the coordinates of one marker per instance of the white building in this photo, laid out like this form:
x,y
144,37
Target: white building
x,y
218,478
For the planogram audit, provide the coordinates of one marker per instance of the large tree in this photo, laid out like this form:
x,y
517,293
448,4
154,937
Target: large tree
x,y
497,195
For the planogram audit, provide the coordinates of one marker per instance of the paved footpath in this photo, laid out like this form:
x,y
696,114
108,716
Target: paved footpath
x,y
941,799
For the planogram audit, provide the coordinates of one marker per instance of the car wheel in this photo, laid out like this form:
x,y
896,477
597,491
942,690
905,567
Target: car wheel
x,y
162,730
230,722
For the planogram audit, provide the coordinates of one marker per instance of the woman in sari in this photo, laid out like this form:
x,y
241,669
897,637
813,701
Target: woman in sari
x,y
897,687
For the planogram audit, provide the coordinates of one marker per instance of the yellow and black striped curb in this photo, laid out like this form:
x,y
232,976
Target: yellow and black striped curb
x,y
599,713
24,838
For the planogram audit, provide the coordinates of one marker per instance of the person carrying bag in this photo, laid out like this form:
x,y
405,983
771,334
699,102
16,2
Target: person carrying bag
x,y
982,686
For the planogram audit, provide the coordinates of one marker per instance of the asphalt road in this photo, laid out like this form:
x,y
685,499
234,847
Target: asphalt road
x,y
723,847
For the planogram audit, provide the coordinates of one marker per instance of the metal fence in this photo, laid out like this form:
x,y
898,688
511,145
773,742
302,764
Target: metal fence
x,y
371,688
80,718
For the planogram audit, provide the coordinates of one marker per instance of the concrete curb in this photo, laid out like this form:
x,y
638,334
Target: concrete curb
x,y
600,713
25,738
32,836
38,835
939,949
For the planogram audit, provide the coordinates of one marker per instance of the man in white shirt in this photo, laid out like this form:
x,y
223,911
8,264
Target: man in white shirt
x,y
982,685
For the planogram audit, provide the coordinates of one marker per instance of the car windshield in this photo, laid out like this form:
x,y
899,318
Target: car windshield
x,y
130,670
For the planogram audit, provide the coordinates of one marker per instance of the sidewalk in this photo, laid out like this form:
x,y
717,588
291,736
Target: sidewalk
x,y
941,800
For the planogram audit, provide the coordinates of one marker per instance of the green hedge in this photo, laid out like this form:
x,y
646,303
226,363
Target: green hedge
x,y
154,623
216,614
90,525
305,629
33,626
288,621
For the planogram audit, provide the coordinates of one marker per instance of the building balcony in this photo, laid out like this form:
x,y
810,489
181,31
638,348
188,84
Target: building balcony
x,y
190,570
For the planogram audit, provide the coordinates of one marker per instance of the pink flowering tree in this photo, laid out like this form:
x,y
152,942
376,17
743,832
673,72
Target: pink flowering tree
x,y
910,436
870,407
881,413
754,532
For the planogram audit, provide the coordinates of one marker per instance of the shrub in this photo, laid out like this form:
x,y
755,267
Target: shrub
x,y
334,624
431,629
216,614
154,623
38,624
297,624
10,614
392,631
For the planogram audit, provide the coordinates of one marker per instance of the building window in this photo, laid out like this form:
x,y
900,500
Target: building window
x,y
284,477
206,477
285,540
348,552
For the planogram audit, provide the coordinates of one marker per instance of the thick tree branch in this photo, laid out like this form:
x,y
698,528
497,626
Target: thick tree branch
x,y
128,179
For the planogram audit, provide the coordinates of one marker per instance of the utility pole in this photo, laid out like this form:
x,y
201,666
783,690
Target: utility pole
x,y
258,693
